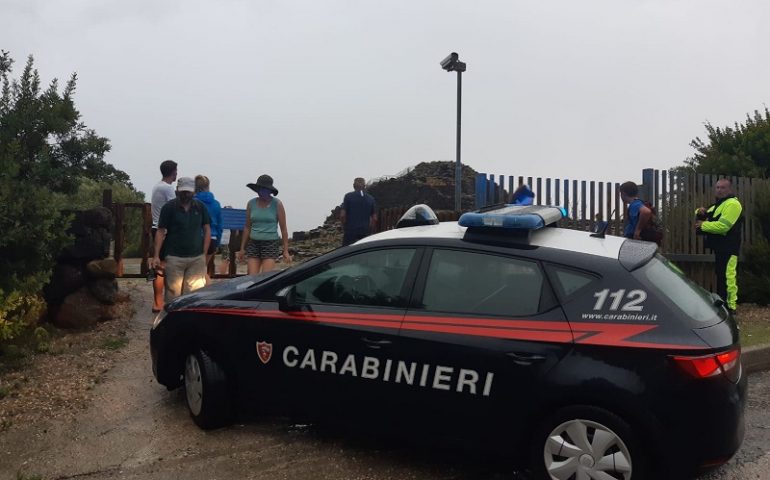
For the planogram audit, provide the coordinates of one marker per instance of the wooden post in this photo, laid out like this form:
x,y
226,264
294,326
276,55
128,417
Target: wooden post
x,y
107,198
234,247
146,238
119,237
647,188
481,192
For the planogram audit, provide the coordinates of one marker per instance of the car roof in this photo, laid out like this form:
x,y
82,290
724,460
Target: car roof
x,y
556,238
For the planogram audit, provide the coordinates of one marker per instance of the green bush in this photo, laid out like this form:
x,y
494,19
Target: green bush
x,y
89,195
49,160
18,311
754,276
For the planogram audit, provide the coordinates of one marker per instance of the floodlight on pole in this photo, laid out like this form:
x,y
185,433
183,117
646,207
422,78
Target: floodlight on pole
x,y
452,63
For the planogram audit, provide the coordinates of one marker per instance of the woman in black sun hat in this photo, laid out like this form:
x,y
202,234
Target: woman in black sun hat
x,y
261,244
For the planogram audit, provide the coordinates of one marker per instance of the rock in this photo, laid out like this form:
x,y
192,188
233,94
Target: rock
x,y
66,279
91,229
99,217
104,290
431,183
93,244
106,268
80,310
298,236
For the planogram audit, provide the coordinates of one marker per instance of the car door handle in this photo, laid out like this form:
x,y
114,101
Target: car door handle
x,y
520,358
375,344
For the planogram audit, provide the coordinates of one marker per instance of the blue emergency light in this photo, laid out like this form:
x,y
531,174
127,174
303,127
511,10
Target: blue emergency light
x,y
516,217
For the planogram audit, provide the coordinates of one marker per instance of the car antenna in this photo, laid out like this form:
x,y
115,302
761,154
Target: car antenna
x,y
600,228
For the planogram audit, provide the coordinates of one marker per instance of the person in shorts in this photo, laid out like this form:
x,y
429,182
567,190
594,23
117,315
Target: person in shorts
x,y
184,234
261,245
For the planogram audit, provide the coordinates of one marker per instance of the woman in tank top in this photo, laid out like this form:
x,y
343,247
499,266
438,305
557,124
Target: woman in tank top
x,y
264,215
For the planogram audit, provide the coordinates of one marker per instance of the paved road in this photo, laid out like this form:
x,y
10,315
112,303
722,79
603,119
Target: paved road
x,y
135,429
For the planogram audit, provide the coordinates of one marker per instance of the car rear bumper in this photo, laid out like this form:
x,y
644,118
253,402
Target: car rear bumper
x,y
709,428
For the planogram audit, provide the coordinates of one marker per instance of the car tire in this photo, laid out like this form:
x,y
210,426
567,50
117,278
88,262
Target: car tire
x,y
206,391
584,440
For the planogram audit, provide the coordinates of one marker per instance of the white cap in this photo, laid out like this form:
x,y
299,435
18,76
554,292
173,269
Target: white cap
x,y
185,184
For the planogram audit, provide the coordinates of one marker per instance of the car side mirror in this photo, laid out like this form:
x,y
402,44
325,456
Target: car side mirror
x,y
287,300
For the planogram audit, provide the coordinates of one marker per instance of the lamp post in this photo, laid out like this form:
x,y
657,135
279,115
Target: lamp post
x,y
452,63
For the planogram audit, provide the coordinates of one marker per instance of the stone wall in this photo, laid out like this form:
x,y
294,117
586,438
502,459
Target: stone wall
x,y
83,288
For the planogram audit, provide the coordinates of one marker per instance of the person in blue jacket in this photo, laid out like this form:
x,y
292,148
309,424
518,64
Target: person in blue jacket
x,y
203,194
523,196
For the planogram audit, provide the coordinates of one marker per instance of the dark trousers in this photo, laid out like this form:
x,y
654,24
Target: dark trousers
x,y
349,237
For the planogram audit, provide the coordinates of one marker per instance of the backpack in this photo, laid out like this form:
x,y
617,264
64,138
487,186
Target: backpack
x,y
653,231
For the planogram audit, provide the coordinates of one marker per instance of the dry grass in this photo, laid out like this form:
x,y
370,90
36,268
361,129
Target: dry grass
x,y
754,321
57,381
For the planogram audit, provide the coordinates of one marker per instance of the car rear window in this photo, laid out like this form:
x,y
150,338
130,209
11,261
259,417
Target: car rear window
x,y
569,281
671,284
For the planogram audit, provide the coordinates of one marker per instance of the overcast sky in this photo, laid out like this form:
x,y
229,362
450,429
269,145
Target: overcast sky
x,y
317,92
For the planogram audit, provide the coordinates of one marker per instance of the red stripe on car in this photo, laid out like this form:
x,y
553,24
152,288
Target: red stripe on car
x,y
604,334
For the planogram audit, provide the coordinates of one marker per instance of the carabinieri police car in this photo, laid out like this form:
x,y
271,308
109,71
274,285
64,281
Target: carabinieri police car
x,y
591,356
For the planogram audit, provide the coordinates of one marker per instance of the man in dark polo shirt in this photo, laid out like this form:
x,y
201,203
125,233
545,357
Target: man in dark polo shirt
x,y
358,214
185,232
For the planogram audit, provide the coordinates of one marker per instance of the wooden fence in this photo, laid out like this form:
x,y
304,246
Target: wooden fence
x,y
674,195
120,212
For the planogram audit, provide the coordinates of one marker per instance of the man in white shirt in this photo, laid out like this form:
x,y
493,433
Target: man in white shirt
x,y
162,192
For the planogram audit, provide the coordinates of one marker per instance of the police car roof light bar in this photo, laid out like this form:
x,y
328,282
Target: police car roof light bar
x,y
514,217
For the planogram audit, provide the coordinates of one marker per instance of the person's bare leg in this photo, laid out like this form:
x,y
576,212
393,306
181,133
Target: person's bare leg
x,y
157,290
223,267
253,265
268,264
209,259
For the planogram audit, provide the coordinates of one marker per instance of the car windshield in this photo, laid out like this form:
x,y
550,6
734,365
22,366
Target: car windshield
x,y
671,284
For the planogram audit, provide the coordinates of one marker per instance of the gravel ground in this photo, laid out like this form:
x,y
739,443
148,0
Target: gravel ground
x,y
60,382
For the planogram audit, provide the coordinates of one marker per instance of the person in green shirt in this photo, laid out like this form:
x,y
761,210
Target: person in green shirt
x,y
721,224
184,232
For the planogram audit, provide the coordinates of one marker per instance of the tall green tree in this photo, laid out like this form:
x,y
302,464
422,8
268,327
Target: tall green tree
x,y
45,153
742,150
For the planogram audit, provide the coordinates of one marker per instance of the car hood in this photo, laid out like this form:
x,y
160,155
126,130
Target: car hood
x,y
220,289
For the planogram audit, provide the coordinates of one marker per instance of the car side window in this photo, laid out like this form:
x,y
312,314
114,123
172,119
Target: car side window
x,y
373,278
568,281
479,283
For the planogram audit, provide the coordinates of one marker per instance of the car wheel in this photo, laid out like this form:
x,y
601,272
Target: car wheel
x,y
583,442
206,392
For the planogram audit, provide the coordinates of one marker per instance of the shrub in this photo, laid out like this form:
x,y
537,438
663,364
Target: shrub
x,y
754,276
18,311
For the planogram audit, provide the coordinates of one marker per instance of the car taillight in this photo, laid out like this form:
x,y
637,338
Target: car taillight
x,y
727,363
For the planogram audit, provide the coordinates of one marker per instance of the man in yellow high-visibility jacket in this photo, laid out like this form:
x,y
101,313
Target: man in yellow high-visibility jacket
x,y
721,224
